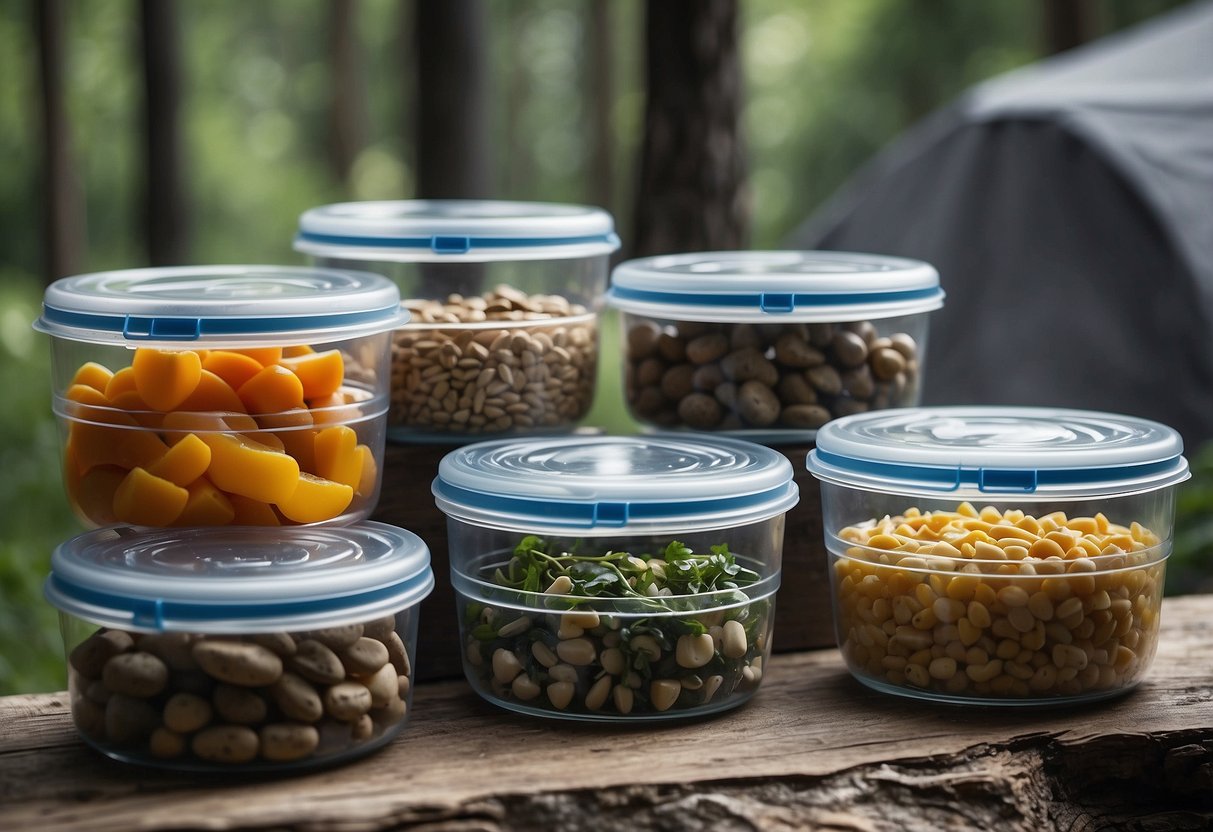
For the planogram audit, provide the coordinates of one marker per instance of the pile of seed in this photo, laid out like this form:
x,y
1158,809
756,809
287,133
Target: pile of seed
x,y
999,604
535,371
724,376
231,700
584,662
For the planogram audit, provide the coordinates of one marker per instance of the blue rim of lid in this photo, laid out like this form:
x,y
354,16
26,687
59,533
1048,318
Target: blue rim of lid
x,y
608,483
455,229
752,285
983,451
221,303
238,579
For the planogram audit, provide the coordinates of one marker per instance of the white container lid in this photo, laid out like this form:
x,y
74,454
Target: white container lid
x,y
455,231
239,580
974,452
651,484
221,304
763,286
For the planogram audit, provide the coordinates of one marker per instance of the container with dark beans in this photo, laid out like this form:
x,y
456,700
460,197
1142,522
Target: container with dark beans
x,y
229,650
773,344
504,297
262,698
798,376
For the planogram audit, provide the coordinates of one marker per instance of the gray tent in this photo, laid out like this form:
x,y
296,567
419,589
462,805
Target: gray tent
x,y
1069,209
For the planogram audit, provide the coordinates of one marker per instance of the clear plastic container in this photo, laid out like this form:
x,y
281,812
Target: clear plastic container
x,y
770,345
615,578
504,299
998,556
216,395
240,650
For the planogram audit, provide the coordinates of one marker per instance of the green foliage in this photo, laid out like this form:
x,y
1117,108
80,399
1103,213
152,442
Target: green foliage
x,y
35,512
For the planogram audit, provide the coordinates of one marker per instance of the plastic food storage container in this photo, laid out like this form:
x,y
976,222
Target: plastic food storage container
x,y
504,299
215,395
226,649
615,578
771,344
998,555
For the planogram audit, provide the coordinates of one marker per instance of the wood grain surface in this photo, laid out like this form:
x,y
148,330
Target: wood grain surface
x,y
813,749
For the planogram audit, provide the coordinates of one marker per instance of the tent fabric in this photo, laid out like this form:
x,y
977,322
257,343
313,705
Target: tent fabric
x,y
1069,209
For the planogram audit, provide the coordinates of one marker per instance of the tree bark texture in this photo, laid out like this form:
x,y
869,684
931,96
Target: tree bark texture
x,y
165,210
600,92
1067,24
453,139
348,110
812,750
63,209
692,194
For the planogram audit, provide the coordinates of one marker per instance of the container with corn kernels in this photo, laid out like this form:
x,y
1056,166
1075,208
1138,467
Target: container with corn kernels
x,y
998,555
504,299
240,649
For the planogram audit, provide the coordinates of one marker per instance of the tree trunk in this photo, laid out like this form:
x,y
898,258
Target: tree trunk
x,y
600,91
692,193
1067,24
166,226
347,113
452,100
63,211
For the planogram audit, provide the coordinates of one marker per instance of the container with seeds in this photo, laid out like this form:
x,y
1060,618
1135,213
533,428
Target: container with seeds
x,y
240,650
998,556
771,345
504,298
615,578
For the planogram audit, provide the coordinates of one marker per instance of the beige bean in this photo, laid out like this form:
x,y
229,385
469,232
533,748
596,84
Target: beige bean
x,y
186,713
505,666
694,651
346,701
364,656
238,663
230,744
166,744
241,705
710,686
597,696
663,693
576,651
524,687
560,694
135,674
286,742
316,662
735,644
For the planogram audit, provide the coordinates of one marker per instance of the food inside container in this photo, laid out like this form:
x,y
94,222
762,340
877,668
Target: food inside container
x,y
504,296
619,578
771,345
221,395
235,650
998,555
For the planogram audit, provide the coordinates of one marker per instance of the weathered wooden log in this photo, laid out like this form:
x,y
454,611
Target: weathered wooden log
x,y
813,749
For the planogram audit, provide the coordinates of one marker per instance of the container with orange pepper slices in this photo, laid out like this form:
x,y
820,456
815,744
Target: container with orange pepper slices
x,y
221,395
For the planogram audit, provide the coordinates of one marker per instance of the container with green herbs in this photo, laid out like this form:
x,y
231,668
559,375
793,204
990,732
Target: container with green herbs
x,y
615,578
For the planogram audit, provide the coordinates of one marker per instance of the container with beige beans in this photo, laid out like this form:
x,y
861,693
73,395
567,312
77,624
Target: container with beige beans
x,y
771,345
998,556
221,649
504,300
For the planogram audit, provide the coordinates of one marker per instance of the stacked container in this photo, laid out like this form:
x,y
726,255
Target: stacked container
x,y
252,398
502,338
769,346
